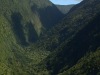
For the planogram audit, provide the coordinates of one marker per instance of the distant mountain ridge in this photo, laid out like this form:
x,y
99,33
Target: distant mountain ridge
x,y
65,8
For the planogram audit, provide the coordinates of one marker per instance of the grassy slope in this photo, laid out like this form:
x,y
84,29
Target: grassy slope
x,y
8,61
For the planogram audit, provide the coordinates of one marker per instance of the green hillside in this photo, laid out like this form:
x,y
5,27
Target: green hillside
x,y
36,38
20,26
11,55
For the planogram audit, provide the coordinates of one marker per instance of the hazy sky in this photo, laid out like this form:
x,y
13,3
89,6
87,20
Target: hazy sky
x,y
65,2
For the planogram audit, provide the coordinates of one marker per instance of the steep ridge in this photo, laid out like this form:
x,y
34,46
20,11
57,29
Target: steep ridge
x,y
77,35
75,20
52,14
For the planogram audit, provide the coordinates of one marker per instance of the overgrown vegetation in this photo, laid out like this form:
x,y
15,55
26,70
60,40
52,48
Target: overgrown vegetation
x,y
31,43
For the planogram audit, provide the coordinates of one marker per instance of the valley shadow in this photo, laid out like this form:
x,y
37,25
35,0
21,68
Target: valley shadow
x,y
18,28
49,16
32,34
86,40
